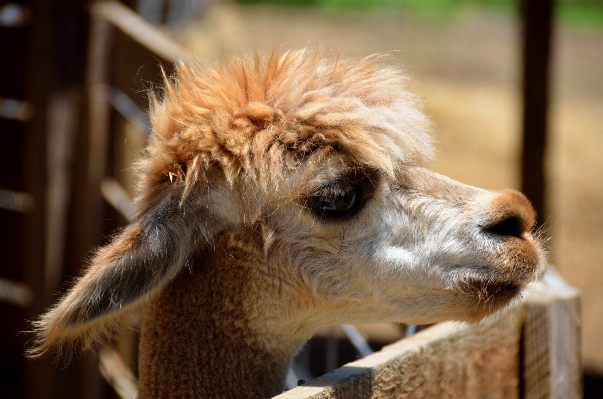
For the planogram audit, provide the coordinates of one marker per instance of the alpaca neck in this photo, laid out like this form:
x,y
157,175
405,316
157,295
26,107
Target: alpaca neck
x,y
209,364
197,340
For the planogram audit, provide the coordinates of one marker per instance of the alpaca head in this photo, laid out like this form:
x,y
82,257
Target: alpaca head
x,y
316,167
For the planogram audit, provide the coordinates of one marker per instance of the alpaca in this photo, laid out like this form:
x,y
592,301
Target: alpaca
x,y
278,196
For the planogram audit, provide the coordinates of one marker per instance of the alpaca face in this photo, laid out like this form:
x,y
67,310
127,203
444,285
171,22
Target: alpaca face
x,y
419,248
318,166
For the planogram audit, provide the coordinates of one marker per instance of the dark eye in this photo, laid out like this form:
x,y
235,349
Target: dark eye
x,y
337,200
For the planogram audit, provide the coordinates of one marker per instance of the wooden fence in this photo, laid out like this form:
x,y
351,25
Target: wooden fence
x,y
529,351
127,56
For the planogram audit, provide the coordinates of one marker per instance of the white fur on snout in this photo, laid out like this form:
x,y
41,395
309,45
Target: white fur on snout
x,y
401,258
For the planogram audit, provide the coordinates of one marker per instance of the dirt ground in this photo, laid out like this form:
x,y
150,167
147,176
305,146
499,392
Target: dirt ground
x,y
467,69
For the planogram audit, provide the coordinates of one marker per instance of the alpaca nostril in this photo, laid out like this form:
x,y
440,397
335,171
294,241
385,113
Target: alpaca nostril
x,y
511,226
510,214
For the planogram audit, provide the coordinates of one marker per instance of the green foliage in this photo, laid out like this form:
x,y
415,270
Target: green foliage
x,y
422,6
580,14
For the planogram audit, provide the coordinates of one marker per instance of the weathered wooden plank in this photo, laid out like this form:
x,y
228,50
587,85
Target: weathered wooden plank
x,y
98,121
125,54
551,366
449,360
138,52
140,30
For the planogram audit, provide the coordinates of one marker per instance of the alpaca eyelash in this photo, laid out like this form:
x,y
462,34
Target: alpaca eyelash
x,y
338,200
343,197
334,189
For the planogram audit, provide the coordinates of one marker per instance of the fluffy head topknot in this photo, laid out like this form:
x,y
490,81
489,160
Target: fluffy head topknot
x,y
259,117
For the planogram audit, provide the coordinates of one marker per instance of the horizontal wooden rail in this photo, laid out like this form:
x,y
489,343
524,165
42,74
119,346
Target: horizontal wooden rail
x,y
446,360
139,30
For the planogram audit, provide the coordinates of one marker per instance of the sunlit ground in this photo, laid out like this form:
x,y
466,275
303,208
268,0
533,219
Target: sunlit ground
x,y
467,69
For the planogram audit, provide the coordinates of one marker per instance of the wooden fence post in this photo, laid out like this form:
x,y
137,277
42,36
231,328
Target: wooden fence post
x,y
551,366
537,16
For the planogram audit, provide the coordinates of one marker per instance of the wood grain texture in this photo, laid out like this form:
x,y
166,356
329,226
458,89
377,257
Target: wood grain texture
x,y
449,360
140,30
551,341
474,361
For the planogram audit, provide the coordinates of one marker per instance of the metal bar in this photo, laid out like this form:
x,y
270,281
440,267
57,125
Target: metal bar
x,y
16,201
128,109
14,15
356,339
15,293
180,14
18,110
117,374
151,10
410,330
117,196
292,379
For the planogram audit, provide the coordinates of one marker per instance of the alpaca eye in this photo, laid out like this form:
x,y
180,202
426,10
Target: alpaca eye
x,y
337,200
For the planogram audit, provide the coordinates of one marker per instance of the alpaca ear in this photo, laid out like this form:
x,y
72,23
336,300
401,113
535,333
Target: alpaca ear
x,y
135,265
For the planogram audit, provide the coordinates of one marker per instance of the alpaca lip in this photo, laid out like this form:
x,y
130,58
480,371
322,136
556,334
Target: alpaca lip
x,y
484,297
491,292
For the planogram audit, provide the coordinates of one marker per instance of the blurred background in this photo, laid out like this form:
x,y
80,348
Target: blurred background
x,y
64,154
